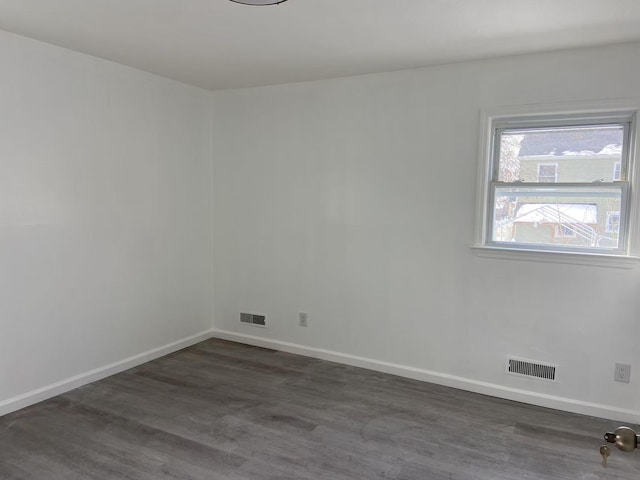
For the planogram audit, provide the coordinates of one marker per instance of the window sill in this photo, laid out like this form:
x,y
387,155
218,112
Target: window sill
x,y
572,258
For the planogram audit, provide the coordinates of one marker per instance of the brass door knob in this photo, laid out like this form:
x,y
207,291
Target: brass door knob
x,y
624,438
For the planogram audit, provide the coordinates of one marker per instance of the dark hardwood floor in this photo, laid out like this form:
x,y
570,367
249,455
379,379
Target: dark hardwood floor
x,y
221,410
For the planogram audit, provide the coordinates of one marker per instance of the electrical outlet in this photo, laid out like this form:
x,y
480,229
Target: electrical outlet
x,y
622,373
302,319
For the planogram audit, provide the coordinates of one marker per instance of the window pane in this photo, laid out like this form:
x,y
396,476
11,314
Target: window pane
x,y
561,154
577,217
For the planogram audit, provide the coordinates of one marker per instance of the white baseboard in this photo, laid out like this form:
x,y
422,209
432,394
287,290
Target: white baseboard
x,y
40,394
494,390
485,388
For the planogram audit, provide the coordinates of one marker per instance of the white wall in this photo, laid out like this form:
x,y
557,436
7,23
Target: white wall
x,y
105,215
350,199
354,200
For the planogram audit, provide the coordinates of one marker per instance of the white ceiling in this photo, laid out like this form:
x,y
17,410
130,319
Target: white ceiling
x,y
218,44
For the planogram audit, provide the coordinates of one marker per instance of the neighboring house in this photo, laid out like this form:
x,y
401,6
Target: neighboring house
x,y
585,221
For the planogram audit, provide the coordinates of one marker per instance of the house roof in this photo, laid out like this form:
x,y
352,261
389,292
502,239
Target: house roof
x,y
572,142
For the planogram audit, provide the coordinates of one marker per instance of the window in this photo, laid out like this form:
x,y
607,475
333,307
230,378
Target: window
x,y
613,222
547,172
558,183
565,231
616,171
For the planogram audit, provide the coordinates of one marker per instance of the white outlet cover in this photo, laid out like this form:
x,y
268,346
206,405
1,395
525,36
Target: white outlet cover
x,y
622,373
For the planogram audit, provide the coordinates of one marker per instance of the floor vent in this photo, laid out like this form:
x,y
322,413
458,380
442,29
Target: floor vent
x,y
253,319
545,371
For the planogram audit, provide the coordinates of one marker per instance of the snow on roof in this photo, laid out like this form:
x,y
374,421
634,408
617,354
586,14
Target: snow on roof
x,y
611,149
603,142
557,213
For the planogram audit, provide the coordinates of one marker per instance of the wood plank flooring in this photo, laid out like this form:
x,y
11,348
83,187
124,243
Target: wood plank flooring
x,y
221,410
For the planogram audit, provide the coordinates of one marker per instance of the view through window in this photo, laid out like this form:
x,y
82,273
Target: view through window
x,y
560,187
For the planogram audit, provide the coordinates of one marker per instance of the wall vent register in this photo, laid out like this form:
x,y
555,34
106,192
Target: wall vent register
x,y
253,319
528,368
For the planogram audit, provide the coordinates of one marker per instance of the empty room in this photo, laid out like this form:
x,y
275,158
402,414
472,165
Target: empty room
x,y
319,239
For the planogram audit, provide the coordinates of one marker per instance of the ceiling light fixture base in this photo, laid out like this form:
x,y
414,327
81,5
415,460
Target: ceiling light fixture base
x,y
259,2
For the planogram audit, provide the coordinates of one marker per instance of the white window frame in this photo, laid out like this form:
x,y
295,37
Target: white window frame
x,y
558,115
